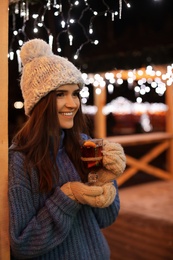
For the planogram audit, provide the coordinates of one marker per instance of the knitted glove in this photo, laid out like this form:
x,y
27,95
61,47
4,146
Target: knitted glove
x,y
82,193
94,196
104,176
114,158
108,196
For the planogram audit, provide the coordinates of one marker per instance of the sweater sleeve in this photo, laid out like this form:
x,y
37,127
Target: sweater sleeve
x,y
34,232
106,216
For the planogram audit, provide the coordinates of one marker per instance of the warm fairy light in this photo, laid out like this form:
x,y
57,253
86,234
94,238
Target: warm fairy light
x,y
139,100
137,89
96,42
119,81
75,56
141,86
15,32
70,39
11,55
76,3
18,104
98,91
34,16
63,13
63,24
110,88
35,30
20,42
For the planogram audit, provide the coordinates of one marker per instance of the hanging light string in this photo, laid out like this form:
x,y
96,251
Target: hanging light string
x,y
63,11
120,8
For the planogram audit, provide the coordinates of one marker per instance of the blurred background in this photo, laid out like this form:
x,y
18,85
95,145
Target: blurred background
x,y
100,37
124,49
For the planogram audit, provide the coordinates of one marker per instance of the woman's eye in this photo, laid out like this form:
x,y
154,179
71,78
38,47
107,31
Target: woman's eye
x,y
76,94
60,94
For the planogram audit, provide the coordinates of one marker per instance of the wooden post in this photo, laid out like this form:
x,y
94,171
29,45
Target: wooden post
x,y
4,218
169,126
100,119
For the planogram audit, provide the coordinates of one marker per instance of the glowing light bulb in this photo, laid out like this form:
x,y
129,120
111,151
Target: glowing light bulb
x,y
72,20
75,56
34,16
76,3
40,24
20,42
90,31
70,39
96,42
15,32
98,91
11,55
63,24
35,30
18,104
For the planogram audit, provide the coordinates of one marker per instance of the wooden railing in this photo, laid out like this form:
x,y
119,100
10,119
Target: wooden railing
x,y
161,142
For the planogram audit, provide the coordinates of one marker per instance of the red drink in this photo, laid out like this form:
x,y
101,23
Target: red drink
x,y
88,152
91,151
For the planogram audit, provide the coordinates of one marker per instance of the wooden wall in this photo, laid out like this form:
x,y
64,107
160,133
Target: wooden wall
x,y
4,220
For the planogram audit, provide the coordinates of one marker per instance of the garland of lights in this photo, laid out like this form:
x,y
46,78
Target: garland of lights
x,y
21,8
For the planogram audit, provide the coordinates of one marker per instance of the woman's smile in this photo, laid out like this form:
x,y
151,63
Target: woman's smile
x,y
67,104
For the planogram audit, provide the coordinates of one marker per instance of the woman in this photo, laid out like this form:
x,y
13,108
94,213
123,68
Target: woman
x,y
53,213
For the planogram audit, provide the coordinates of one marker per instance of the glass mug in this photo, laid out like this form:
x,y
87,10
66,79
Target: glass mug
x,y
91,155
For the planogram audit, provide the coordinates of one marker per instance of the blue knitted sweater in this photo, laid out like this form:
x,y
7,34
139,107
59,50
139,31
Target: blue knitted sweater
x,y
52,226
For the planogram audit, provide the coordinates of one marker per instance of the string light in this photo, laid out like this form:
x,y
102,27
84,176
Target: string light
x,y
64,13
138,79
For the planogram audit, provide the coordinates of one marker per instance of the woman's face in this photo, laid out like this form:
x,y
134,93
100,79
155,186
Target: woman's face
x,y
67,104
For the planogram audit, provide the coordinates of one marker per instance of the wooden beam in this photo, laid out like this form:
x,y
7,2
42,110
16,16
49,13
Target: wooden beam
x,y
169,126
100,118
152,154
4,216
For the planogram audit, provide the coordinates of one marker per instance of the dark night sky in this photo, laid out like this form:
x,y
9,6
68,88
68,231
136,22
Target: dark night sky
x,y
142,36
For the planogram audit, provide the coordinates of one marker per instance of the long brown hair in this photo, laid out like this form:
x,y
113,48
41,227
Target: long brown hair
x,y
40,136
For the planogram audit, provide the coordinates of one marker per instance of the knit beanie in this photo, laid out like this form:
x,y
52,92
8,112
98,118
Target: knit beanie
x,y
43,72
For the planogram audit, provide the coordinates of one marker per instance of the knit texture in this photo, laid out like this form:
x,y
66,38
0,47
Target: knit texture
x,y
100,196
53,226
43,72
114,158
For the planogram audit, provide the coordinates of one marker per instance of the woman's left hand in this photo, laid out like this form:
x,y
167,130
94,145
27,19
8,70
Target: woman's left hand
x,y
114,159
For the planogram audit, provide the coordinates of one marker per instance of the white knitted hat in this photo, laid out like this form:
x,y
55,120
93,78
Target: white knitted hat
x,y
43,72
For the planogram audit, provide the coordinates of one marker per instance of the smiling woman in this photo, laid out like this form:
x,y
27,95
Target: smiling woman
x,y
67,105
50,201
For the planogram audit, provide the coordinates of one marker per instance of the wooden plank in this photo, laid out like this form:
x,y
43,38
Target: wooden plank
x,y
169,126
148,168
142,229
4,217
128,140
153,153
139,238
99,118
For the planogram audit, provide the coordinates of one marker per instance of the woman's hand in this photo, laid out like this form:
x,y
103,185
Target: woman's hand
x,y
95,196
114,159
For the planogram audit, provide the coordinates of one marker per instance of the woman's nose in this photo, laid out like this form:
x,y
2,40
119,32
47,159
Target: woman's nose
x,y
70,102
